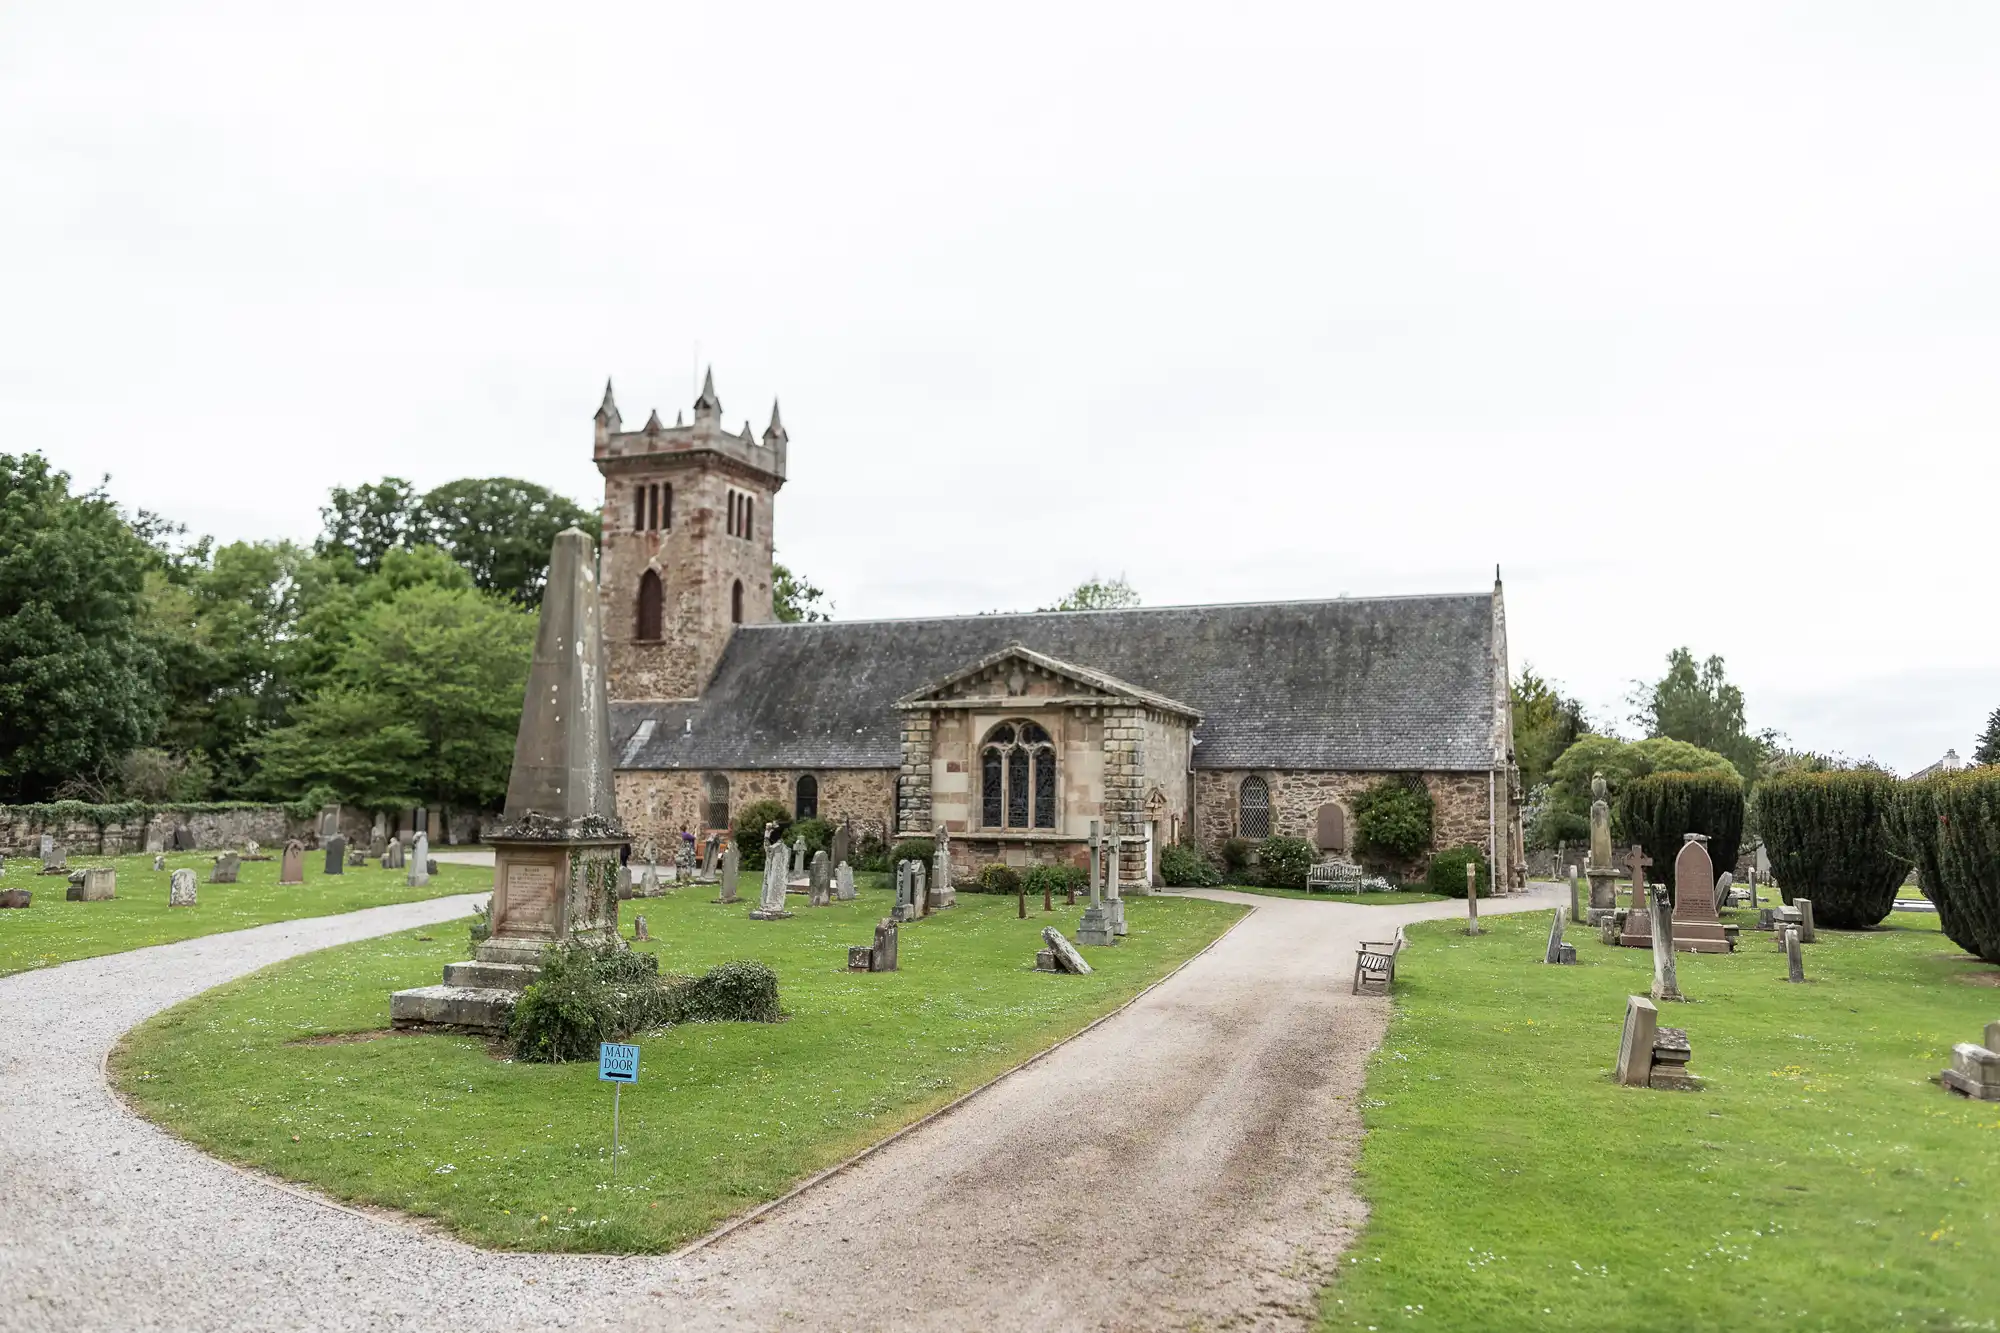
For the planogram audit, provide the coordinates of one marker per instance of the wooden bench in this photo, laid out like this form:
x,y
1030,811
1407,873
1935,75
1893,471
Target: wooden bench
x,y
1335,874
1377,960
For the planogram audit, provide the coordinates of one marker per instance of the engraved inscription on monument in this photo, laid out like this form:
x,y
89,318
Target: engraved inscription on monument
x,y
531,898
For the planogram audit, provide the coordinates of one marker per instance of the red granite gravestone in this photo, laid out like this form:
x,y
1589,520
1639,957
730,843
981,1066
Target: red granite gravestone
x,y
1697,929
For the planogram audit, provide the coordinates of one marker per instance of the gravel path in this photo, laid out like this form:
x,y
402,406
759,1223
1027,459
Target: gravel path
x,y
1185,1164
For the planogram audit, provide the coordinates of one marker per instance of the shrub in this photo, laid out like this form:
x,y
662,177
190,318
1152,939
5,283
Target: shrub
x,y
1236,856
871,853
1950,826
740,992
997,878
1447,872
1184,867
481,929
748,830
817,833
1829,839
567,1010
1283,862
913,849
1056,880
1658,809
1392,821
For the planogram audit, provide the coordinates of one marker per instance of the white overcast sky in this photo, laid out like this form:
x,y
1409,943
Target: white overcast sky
x,y
1687,316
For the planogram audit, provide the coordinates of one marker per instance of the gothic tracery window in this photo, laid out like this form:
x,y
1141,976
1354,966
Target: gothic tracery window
x,y
1017,777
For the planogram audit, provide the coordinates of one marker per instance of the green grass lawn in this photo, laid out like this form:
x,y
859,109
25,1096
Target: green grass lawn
x,y
1394,898
1820,1180
55,930
724,1116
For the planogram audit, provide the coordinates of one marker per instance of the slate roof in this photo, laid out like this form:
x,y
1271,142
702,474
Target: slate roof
x,y
1385,683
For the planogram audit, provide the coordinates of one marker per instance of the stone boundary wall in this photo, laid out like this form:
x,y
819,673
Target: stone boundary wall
x,y
657,804
21,831
1459,799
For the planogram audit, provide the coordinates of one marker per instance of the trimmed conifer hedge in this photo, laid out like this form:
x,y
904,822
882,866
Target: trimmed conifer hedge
x,y
1828,836
1950,826
1658,810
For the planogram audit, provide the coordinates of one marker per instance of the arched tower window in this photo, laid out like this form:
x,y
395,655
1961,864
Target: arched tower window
x,y
650,598
653,508
718,800
667,506
638,509
1253,808
807,804
1017,777
749,517
736,603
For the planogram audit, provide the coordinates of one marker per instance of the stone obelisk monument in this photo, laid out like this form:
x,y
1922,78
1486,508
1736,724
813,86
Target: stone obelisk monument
x,y
555,873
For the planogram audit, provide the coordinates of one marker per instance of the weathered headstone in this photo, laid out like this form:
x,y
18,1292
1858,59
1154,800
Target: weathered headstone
x,y
1063,954
1638,932
1975,1068
1635,1045
55,861
292,868
879,957
556,842
639,928
843,883
184,840
420,863
159,861
336,856
181,889
709,855
94,884
1795,961
1095,928
1671,1053
942,892
1600,823
1697,928
820,888
395,856
771,906
920,896
1472,897
1576,892
1725,889
730,871
1666,980
13,898
799,858
227,866
1114,873
1556,951
357,856
1807,935
842,851
624,883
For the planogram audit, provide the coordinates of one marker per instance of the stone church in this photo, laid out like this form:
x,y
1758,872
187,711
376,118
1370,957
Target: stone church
x,y
1016,731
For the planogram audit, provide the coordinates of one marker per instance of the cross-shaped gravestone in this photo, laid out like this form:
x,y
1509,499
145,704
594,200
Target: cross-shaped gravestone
x,y
1636,861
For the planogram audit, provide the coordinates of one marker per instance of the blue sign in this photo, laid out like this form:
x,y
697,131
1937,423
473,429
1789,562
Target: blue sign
x,y
616,1063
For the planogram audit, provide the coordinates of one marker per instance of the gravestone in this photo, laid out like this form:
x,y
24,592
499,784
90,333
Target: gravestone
x,y
155,844
159,861
1975,1068
1725,889
639,928
1095,928
420,863
902,908
799,858
820,889
1635,1044
181,889
393,856
729,873
1576,892
842,851
1472,897
879,957
13,898
556,842
942,894
1061,954
1807,935
357,856
771,906
1558,951
184,839
1600,824
1795,961
624,885
378,836
55,861
843,882
226,869
709,853
94,884
1638,932
336,856
292,867
1763,864
1666,982
1697,929
1671,1053
649,883
1114,893
920,896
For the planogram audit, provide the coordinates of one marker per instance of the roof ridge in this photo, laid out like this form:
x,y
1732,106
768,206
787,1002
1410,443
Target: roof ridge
x,y
1483,595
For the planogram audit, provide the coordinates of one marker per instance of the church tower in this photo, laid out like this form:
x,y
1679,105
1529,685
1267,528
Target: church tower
x,y
687,543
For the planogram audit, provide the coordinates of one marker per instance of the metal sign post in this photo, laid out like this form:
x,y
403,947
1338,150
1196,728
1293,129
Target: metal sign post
x,y
617,1065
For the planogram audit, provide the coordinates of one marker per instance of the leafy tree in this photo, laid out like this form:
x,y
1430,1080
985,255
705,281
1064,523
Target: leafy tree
x,y
422,703
794,598
500,529
1697,704
1098,594
1546,723
369,521
1987,749
1620,761
79,686
1392,821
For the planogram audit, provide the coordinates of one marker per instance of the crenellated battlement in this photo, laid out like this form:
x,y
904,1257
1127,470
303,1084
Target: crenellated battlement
x,y
656,442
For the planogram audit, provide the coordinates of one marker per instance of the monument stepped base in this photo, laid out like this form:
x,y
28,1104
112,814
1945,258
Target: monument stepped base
x,y
481,975
481,1008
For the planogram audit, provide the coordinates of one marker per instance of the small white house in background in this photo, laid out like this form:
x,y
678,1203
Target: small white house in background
x,y
1951,763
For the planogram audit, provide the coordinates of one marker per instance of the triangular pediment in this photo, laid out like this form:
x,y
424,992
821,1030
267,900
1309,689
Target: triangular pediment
x,y
1018,674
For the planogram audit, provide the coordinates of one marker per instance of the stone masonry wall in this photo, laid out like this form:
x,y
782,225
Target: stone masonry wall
x,y
913,792
21,831
1459,799
656,804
